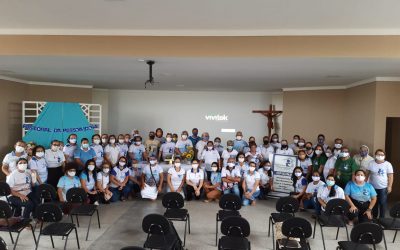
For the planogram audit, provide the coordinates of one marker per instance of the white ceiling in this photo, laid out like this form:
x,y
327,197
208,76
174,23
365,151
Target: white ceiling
x,y
207,74
200,17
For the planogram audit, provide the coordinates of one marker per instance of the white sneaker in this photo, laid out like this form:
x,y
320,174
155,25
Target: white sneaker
x,y
96,203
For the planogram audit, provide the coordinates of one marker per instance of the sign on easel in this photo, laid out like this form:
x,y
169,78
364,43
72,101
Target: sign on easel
x,y
283,166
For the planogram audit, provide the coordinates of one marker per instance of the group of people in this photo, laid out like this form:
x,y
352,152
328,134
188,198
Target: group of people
x,y
111,168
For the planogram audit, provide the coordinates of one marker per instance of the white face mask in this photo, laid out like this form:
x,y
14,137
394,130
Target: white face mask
x,y
231,164
91,167
71,173
214,169
301,144
121,141
274,139
380,157
177,164
209,148
169,139
328,154
104,140
217,144
252,169
106,170
184,137
138,143
195,166
22,166
19,149
360,178
152,162
55,148
40,154
112,141
85,145
241,160
72,140
238,137
345,154
267,168
338,145
298,174
295,141
96,141
122,164
316,178
318,152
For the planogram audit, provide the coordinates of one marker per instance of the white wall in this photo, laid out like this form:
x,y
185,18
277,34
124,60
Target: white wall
x,y
175,111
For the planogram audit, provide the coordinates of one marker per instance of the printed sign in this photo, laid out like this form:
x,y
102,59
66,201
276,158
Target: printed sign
x,y
283,166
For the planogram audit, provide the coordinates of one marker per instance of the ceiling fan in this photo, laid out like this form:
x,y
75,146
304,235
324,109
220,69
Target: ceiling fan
x,y
151,78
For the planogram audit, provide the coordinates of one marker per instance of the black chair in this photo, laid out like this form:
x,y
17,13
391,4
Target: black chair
x,y
286,208
174,203
5,191
161,233
46,193
13,225
51,213
362,235
392,223
235,231
3,245
77,198
295,227
335,215
230,205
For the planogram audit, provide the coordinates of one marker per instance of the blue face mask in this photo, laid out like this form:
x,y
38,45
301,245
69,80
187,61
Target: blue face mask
x,y
363,154
330,183
206,138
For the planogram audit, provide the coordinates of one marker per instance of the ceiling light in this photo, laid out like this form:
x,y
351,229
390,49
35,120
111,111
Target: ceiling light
x,y
141,60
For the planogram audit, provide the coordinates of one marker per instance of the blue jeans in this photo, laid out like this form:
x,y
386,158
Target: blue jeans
x,y
233,190
252,198
117,193
312,203
381,203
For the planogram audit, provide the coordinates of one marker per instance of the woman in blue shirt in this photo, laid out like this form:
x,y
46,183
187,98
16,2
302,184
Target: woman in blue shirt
x,y
88,181
361,197
213,187
68,181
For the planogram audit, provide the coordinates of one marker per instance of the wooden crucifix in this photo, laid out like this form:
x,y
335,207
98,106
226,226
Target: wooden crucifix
x,y
270,114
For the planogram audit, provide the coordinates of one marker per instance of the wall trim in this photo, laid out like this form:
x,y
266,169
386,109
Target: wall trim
x,y
54,84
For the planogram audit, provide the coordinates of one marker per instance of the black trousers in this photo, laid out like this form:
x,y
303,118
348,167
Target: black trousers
x,y
54,175
29,205
362,208
190,193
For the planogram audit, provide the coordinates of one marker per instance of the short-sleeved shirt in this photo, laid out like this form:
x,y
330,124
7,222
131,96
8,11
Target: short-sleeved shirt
x,y
226,155
40,166
112,153
323,193
243,169
123,149
363,162
264,177
103,178
239,145
251,179
69,151
167,150
83,155
90,185
98,149
300,184
194,140
135,172
316,162
152,176
234,172
360,193
329,164
137,152
176,176
215,178
182,145
20,182
266,151
200,146
304,165
66,183
378,176
152,147
313,188
11,160
210,156
195,176
120,174
54,159
345,170
162,140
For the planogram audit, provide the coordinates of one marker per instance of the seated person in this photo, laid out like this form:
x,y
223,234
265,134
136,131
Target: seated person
x,y
88,181
194,181
328,192
103,183
230,176
135,177
119,177
266,179
20,182
309,199
251,182
299,185
176,178
213,187
152,180
68,181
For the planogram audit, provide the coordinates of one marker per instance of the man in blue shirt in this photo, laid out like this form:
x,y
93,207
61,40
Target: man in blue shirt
x,y
194,138
83,154
239,144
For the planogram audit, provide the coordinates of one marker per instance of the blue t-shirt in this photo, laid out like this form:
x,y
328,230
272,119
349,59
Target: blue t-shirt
x,y
84,155
216,178
89,184
66,183
360,193
239,145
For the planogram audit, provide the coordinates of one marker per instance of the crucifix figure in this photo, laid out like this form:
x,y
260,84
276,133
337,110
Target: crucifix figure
x,y
270,114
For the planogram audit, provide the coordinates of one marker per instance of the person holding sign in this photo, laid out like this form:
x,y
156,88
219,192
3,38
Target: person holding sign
x,y
299,185
250,184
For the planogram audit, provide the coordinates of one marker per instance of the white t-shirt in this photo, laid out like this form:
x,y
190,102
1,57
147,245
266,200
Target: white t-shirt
x,y
378,175
112,153
255,156
103,178
167,149
54,159
329,164
181,145
210,156
123,149
267,152
119,174
195,177
40,166
20,182
137,151
226,155
304,164
264,178
200,146
312,188
235,172
323,193
69,152
287,151
11,160
98,149
250,179
176,177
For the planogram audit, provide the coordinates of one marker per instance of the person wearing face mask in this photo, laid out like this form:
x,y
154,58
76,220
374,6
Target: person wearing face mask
x,y
167,149
175,138
182,144
176,177
55,163
305,163
239,144
135,177
321,142
152,145
294,144
285,149
104,140
274,142
318,160
266,150
88,181
137,152
309,150
194,138
152,180
194,181
363,158
266,179
345,167
337,147
241,164
83,154
380,175
202,145
68,181
309,199
329,191
208,156
252,140
98,149
135,133
254,154
122,145
21,184
38,165
250,185
127,139
119,177
112,152
29,147
10,160
70,147
229,152
159,136
213,188
230,176
329,164
103,183
300,146
218,146
361,197
299,185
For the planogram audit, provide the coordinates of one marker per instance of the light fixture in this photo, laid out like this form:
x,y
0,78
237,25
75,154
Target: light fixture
x,y
151,78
